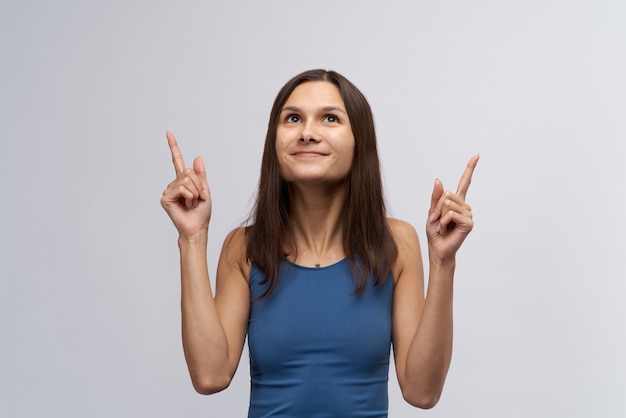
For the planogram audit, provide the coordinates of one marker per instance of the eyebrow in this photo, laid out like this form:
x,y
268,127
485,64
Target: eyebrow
x,y
324,109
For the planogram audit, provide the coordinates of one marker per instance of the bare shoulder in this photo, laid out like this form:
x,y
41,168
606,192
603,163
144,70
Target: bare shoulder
x,y
407,241
233,256
403,233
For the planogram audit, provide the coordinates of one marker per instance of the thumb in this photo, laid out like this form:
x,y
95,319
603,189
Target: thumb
x,y
437,193
198,168
435,210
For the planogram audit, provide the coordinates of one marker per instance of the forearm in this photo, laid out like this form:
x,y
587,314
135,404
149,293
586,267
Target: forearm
x,y
204,340
430,352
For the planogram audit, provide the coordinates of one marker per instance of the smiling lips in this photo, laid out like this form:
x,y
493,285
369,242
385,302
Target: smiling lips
x,y
308,154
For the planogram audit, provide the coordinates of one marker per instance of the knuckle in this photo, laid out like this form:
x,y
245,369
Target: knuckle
x,y
189,183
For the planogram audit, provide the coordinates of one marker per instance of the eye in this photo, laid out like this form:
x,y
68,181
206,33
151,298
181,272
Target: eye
x,y
331,118
293,118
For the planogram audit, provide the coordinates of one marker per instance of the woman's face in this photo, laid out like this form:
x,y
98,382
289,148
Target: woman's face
x,y
314,140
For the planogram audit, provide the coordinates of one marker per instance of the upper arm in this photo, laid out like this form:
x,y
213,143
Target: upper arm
x,y
232,293
408,295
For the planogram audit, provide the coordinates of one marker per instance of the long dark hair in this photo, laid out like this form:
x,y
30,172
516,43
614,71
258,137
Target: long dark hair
x,y
367,240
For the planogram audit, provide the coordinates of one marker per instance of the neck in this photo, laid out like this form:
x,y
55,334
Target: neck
x,y
316,220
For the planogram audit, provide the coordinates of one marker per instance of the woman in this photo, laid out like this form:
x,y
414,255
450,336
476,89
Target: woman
x,y
322,283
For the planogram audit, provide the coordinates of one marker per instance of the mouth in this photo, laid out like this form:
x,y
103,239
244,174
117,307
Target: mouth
x,y
308,154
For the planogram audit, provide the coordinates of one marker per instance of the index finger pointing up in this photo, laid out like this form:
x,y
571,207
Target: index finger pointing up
x,y
466,178
177,157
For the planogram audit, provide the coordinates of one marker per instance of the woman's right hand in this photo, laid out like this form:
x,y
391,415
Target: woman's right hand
x,y
187,200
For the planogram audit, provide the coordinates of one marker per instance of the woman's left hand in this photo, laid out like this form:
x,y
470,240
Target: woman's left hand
x,y
449,217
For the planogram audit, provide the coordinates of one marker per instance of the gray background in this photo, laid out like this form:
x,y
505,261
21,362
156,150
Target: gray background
x,y
89,288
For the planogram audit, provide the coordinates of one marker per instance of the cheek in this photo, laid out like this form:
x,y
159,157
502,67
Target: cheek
x,y
280,161
350,153
281,140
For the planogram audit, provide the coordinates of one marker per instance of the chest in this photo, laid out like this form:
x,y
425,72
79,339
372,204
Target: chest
x,y
314,319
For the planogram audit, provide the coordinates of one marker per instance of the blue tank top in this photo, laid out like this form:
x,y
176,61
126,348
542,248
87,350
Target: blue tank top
x,y
317,349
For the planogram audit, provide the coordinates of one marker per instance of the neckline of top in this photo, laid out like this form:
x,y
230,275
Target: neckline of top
x,y
343,260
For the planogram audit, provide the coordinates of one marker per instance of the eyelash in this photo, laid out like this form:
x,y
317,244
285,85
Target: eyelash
x,y
290,118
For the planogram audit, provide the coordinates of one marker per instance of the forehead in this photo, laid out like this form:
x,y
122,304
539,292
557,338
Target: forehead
x,y
323,93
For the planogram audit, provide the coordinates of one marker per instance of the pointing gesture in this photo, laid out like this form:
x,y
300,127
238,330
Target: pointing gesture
x,y
187,199
450,218
177,156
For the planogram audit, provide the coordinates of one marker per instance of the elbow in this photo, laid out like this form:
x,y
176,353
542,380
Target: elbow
x,y
209,385
422,400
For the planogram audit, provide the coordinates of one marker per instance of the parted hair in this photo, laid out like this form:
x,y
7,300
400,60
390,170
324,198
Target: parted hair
x,y
367,240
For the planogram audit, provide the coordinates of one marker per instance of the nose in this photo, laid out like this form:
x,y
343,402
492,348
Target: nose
x,y
309,134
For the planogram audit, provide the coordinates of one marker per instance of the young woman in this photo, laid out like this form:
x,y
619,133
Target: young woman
x,y
321,282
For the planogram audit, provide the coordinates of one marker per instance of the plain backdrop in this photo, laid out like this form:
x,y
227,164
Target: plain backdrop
x,y
89,282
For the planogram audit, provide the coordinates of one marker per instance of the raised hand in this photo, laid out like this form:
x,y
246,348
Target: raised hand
x,y
450,218
187,200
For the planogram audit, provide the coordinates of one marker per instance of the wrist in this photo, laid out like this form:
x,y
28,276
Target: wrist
x,y
441,272
198,239
442,263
